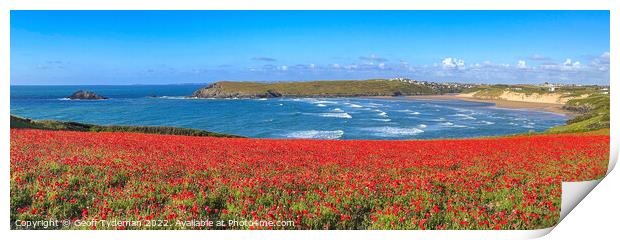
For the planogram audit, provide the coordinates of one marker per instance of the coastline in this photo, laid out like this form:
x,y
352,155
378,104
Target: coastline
x,y
500,103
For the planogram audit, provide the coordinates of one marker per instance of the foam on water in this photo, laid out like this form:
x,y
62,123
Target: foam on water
x,y
450,124
325,102
355,106
465,116
394,131
316,134
336,115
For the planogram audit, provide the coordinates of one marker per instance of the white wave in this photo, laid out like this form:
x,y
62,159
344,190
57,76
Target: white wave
x,y
175,97
422,126
280,104
487,122
415,113
528,126
355,106
337,110
336,115
325,102
449,124
306,100
403,111
383,114
382,119
465,116
375,104
69,99
316,134
394,131
321,105
261,99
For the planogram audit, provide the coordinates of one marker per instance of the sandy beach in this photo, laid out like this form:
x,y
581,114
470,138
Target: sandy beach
x,y
547,107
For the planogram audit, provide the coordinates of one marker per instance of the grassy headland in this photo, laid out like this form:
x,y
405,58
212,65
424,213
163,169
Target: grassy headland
x,y
594,114
344,88
19,122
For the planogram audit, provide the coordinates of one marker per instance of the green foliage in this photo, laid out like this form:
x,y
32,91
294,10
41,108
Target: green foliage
x,y
19,122
595,114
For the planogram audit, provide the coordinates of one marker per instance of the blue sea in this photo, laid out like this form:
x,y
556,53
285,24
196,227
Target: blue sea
x,y
316,118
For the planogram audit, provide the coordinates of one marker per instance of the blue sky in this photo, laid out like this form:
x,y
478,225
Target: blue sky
x,y
164,47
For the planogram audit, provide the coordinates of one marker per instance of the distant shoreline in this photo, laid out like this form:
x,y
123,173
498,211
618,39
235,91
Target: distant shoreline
x,y
545,107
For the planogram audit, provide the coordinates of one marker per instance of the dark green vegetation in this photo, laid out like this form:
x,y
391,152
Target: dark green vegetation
x,y
19,122
344,88
594,114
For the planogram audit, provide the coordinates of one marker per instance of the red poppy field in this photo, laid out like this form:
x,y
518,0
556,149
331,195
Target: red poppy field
x,y
487,183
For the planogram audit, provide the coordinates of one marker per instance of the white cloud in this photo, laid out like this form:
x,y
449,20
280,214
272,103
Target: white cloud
x,y
373,58
601,62
569,62
596,71
569,65
452,63
351,66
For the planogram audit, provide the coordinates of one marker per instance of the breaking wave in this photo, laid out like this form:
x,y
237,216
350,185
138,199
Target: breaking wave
x,y
316,134
394,131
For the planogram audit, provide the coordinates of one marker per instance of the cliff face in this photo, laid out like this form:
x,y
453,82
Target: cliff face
x,y
216,90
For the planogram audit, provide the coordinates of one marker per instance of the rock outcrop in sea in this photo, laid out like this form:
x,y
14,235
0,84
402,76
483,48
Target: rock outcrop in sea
x,y
86,95
215,90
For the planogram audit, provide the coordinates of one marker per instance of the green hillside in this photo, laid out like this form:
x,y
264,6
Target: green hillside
x,y
19,122
594,114
344,88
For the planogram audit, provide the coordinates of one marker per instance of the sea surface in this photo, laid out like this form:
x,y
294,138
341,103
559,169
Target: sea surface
x,y
316,118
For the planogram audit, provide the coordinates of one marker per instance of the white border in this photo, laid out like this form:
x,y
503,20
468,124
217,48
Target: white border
x,y
5,6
